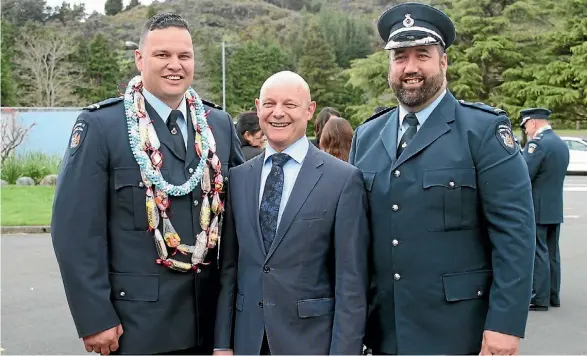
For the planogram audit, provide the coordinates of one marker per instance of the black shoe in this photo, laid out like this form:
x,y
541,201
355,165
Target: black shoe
x,y
536,307
555,304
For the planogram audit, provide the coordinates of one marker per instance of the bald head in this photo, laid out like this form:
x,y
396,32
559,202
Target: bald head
x,y
290,80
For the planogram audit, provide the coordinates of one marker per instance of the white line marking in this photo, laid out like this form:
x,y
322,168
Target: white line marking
x,y
575,189
572,216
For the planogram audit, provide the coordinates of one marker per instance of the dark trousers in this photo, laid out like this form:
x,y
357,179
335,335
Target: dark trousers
x,y
547,269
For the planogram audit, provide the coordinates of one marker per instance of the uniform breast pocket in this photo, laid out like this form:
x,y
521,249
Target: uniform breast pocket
x,y
451,198
130,199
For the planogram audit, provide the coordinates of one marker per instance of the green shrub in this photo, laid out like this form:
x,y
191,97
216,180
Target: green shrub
x,y
32,164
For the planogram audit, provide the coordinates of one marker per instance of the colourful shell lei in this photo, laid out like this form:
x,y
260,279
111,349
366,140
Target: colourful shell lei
x,y
145,147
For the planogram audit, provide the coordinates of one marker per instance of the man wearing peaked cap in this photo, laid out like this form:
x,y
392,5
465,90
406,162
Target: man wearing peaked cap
x,y
452,221
547,157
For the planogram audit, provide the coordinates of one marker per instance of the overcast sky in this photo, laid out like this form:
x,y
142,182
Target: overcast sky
x,y
92,5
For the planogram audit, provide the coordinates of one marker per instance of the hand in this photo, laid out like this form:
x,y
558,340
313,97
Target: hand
x,y
103,342
223,353
495,343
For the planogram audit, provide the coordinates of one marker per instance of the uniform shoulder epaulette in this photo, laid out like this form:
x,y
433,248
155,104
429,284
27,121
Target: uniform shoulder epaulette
x,y
380,113
103,104
484,107
209,103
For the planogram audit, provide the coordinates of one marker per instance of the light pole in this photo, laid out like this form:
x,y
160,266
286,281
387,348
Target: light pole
x,y
223,76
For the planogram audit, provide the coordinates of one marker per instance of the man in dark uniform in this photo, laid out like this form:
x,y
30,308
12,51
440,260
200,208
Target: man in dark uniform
x,y
547,157
450,206
138,206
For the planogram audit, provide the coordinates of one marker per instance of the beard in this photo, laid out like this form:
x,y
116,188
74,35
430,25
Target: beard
x,y
416,97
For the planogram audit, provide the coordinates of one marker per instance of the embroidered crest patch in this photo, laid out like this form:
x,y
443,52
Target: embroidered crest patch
x,y
78,133
506,137
531,147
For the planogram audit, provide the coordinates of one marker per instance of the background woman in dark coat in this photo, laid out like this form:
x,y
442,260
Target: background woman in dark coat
x,y
250,134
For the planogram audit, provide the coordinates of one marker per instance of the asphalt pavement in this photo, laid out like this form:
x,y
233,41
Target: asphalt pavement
x,y
35,319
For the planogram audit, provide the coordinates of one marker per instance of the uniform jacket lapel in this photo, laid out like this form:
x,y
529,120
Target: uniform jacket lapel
x,y
389,134
252,193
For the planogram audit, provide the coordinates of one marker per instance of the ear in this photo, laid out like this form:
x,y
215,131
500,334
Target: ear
x,y
311,110
139,60
258,105
248,136
444,61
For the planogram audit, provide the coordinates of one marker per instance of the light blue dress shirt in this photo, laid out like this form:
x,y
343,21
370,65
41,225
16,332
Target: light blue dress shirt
x,y
297,151
163,110
421,115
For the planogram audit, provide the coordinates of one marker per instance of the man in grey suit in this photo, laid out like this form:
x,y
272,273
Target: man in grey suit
x,y
293,259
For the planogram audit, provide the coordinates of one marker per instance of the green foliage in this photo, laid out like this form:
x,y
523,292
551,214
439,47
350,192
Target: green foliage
x,y
151,11
131,4
112,7
328,84
99,68
8,95
247,68
19,12
348,35
36,165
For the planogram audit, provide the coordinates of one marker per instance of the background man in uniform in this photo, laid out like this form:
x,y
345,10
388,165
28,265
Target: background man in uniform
x,y
120,298
294,254
547,157
450,206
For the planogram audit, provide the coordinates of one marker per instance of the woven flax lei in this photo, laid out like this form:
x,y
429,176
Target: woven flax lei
x,y
145,148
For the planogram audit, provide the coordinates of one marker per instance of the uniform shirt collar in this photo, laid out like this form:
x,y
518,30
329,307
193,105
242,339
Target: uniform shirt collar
x,y
297,150
541,130
423,114
161,108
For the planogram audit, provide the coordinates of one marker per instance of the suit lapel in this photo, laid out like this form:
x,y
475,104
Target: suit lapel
x,y
191,147
389,134
306,181
435,126
162,131
253,185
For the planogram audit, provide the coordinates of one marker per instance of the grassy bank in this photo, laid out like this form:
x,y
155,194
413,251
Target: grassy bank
x,y
26,206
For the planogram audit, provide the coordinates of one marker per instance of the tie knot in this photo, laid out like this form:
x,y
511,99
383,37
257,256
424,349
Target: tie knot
x,y
411,119
174,116
279,159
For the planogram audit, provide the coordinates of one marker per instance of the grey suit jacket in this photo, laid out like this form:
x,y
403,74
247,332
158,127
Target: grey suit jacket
x,y
309,291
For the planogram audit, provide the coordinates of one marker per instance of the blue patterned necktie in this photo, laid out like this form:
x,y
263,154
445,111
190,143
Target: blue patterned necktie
x,y
269,209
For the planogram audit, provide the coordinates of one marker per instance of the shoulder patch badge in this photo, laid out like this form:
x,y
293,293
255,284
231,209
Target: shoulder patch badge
x,y
506,137
78,134
532,147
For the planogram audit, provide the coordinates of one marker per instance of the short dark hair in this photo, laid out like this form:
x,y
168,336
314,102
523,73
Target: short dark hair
x,y
247,122
322,119
162,21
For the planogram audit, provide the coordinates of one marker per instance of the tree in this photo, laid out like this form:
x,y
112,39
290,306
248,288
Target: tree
x,y
348,35
13,133
247,68
18,12
8,95
483,50
556,76
67,13
112,7
42,64
151,11
328,85
98,68
131,4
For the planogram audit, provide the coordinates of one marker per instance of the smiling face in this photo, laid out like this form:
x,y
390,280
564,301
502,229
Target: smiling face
x,y
417,75
284,109
166,63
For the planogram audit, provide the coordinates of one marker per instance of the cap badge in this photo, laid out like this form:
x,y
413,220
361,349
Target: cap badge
x,y
408,21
